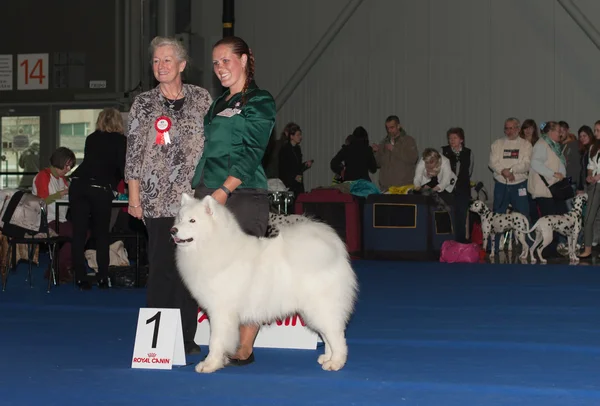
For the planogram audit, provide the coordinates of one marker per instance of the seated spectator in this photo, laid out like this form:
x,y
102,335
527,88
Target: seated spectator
x,y
51,185
355,159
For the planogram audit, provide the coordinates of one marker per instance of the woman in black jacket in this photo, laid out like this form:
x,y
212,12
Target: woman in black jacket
x,y
291,166
356,159
461,162
91,193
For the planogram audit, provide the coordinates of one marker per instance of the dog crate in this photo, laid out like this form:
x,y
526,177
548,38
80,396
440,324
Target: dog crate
x,y
342,211
404,227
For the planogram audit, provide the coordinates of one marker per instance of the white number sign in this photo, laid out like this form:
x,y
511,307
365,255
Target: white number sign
x,y
158,339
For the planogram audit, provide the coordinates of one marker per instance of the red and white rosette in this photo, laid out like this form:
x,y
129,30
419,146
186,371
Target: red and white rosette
x,y
162,126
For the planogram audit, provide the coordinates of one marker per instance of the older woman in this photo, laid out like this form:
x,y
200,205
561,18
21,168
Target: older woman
x,y
548,166
165,142
91,193
461,162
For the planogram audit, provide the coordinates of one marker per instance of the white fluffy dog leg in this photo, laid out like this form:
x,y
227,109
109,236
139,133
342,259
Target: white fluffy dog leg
x,y
327,355
224,337
338,347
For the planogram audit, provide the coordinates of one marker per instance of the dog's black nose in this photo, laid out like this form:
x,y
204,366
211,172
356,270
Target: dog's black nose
x,y
173,231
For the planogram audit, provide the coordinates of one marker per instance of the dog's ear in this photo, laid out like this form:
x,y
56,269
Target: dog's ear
x,y
209,204
185,198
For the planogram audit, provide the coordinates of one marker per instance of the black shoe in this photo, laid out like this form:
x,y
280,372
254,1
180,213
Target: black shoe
x,y
191,348
235,362
84,285
103,284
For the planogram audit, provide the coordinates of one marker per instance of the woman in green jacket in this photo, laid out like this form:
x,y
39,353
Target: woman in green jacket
x,y
237,129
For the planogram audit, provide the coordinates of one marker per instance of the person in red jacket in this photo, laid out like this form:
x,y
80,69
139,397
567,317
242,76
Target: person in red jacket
x,y
51,184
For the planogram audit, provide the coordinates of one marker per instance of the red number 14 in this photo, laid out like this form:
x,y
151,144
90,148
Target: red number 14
x,y
31,74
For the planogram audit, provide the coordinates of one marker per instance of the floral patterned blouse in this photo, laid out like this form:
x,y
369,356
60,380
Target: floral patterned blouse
x,y
165,170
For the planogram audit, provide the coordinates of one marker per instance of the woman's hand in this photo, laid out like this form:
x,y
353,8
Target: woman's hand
x,y
136,211
220,196
590,179
559,176
436,189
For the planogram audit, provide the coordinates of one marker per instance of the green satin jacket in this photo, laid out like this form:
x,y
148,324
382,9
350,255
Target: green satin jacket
x,y
236,140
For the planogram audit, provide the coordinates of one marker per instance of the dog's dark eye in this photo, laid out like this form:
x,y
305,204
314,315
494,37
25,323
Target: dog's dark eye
x,y
192,221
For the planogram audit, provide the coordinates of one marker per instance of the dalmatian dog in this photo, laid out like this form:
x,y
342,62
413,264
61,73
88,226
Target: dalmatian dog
x,y
493,223
568,224
277,221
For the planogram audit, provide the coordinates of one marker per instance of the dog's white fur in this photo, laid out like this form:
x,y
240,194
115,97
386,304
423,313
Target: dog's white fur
x,y
240,279
492,223
568,224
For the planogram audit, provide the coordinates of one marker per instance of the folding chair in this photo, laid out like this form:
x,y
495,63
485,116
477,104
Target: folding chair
x,y
31,241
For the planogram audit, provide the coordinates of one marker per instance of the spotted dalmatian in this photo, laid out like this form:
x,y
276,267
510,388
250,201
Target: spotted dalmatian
x,y
568,224
494,223
276,221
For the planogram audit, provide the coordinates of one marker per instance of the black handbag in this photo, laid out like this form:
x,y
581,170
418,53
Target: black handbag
x,y
561,190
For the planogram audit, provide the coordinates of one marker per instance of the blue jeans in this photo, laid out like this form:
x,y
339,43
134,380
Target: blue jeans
x,y
515,195
509,194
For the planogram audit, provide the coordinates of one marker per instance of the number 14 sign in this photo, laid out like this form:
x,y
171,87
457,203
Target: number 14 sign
x,y
33,71
158,339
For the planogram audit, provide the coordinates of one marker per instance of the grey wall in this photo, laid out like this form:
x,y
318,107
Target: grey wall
x,y
434,63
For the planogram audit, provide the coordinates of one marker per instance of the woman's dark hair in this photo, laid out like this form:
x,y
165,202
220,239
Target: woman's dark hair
x,y
239,47
460,133
587,131
359,136
290,128
527,124
61,157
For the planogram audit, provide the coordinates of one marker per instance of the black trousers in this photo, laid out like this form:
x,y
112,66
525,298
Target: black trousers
x,y
165,287
86,203
249,206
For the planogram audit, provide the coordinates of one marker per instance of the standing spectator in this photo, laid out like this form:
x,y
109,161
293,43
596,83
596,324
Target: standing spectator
x,y
396,156
159,168
291,165
461,162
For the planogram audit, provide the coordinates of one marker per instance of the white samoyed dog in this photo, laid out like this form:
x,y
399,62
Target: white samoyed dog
x,y
240,279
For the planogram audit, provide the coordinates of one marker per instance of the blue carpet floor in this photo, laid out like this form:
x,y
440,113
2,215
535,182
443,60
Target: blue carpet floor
x,y
423,334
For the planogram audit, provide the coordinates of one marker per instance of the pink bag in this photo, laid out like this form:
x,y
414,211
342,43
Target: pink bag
x,y
453,251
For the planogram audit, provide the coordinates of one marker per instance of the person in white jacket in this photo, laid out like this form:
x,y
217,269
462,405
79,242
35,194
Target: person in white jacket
x,y
510,159
434,172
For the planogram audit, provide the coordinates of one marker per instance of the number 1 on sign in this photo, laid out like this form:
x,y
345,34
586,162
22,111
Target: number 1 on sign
x,y
30,74
155,318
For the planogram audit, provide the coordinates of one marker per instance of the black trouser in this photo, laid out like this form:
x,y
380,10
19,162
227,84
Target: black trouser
x,y
165,287
89,202
249,206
